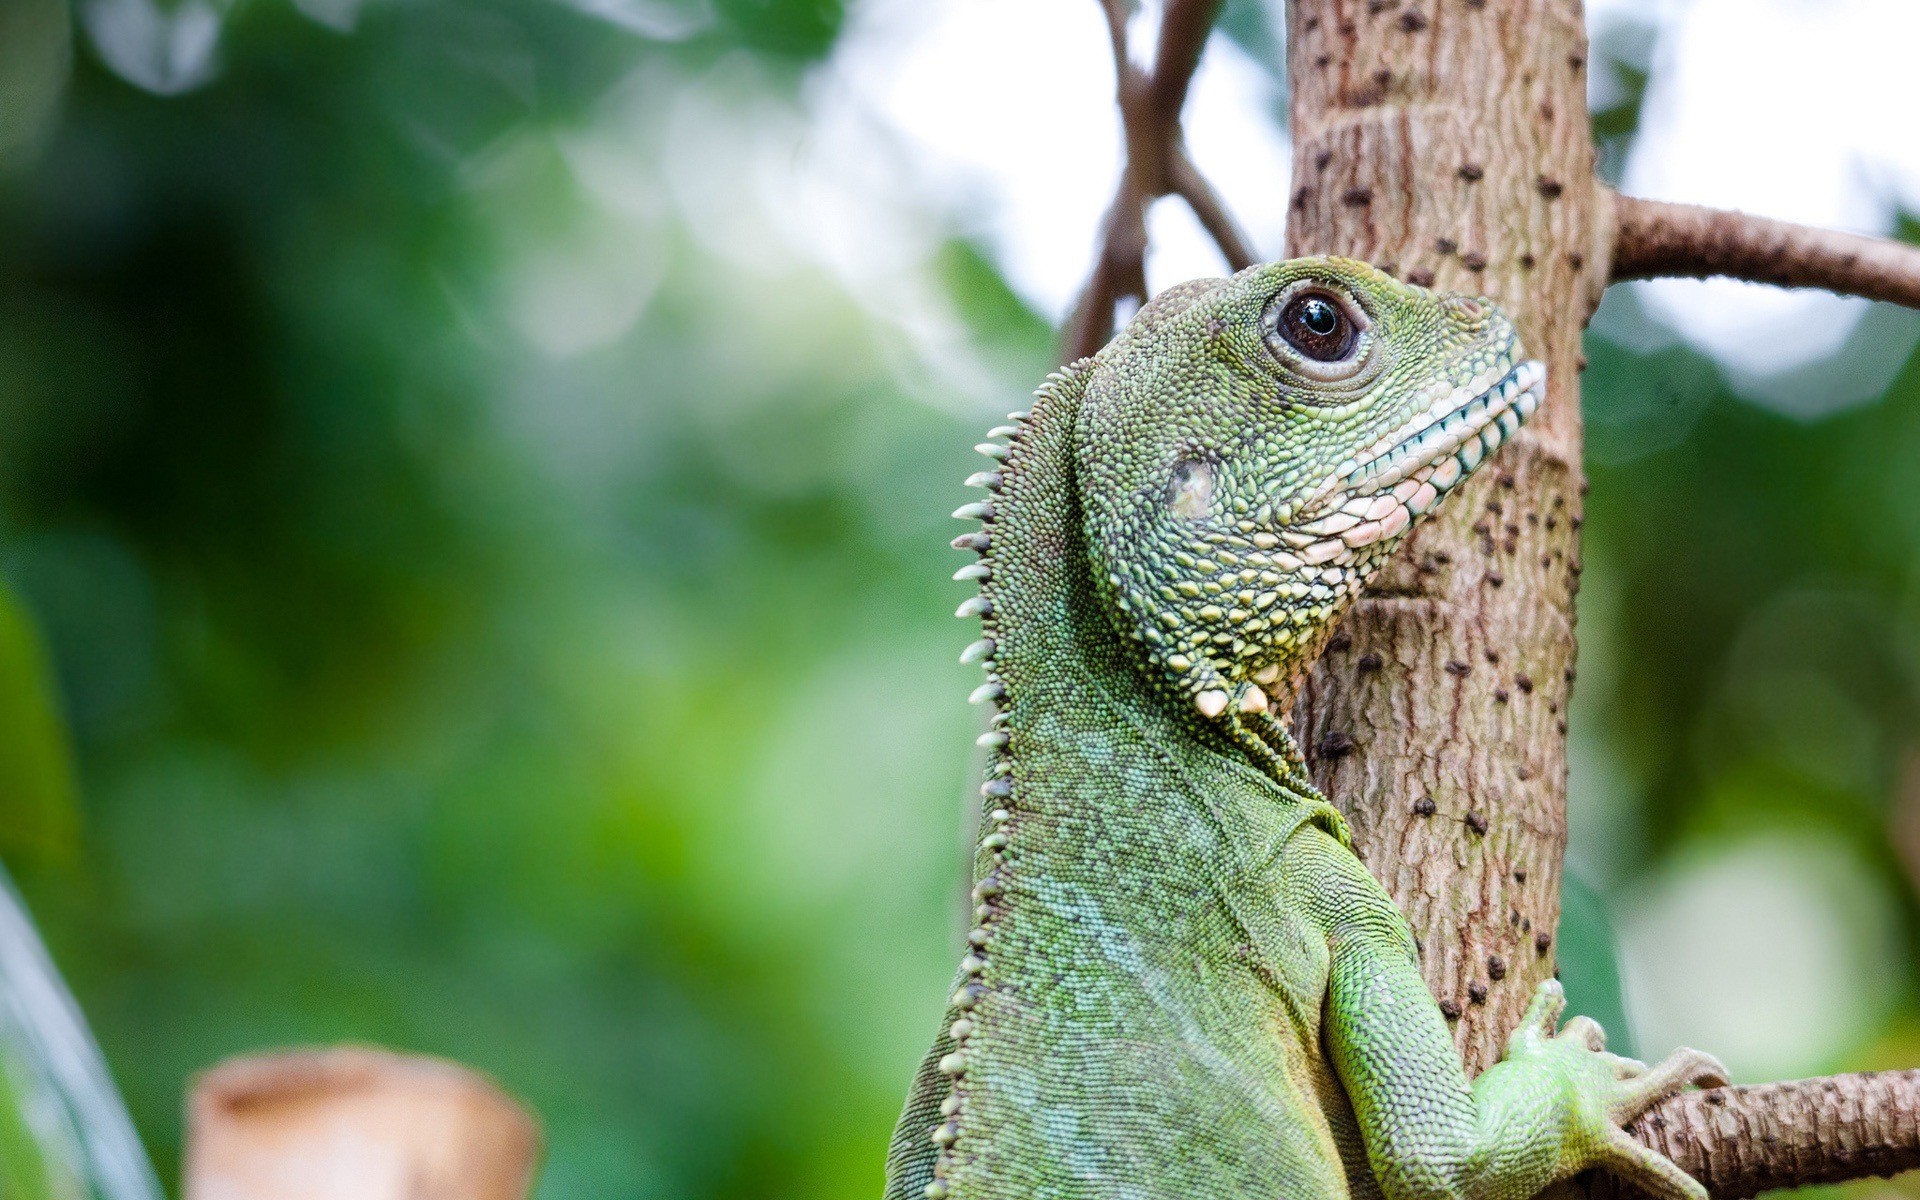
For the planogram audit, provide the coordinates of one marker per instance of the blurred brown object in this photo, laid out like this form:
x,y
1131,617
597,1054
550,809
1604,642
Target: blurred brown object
x,y
355,1124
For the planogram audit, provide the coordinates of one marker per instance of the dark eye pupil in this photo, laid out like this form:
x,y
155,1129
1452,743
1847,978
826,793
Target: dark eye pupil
x,y
1317,327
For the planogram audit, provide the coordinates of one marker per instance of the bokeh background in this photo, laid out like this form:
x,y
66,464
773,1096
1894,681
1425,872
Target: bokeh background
x,y
473,491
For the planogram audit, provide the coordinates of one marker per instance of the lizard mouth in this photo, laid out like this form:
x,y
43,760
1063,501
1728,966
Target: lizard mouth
x,y
1488,413
1377,494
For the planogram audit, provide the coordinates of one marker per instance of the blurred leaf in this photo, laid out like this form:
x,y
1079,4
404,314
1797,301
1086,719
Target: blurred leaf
x,y
1259,27
793,28
35,52
64,1132
37,811
29,1169
1011,335
1589,963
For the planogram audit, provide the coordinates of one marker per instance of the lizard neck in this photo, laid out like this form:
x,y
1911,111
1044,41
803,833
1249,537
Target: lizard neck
x,y
1047,633
1096,772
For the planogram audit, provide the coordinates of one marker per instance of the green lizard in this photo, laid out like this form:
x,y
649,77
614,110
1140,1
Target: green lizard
x,y
1181,983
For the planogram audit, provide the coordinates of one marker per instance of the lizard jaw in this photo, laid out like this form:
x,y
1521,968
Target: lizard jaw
x,y
1377,494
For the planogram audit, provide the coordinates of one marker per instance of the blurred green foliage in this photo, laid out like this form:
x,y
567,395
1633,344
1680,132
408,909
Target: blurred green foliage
x,y
594,722
588,712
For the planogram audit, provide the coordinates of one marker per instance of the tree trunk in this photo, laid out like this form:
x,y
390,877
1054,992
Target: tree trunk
x,y
1449,144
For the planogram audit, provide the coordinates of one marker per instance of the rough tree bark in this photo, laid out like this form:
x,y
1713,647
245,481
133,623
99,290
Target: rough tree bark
x,y
1449,142
1439,142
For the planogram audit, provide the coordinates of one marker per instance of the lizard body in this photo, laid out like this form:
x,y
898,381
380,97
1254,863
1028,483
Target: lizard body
x,y
1180,981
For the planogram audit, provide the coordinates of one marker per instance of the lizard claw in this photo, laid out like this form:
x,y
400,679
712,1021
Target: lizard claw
x,y
1586,1031
1541,1019
1672,1074
1610,1091
1648,1170
1627,1068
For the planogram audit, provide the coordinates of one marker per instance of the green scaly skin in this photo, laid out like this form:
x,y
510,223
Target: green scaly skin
x,y
1181,982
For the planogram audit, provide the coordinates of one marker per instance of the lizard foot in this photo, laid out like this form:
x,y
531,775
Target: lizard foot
x,y
1608,1091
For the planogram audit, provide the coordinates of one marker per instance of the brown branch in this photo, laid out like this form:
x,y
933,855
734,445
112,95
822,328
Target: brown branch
x,y
1116,14
1157,165
1741,1141
1190,185
1119,271
1183,35
1653,238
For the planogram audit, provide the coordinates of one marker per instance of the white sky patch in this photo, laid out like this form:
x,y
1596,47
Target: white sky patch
x,y
1784,108
1007,108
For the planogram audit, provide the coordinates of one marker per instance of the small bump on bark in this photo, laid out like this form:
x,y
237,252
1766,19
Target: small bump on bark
x,y
1336,745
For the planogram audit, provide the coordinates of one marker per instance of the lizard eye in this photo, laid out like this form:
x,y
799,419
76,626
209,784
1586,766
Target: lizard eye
x,y
1318,330
1317,325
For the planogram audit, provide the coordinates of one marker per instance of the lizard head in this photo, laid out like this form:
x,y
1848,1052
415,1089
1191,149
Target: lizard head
x,y
1251,450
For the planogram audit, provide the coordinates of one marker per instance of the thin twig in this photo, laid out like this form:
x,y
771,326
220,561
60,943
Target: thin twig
x,y
1157,165
1183,35
1206,204
1116,14
1653,238
1119,271
1741,1141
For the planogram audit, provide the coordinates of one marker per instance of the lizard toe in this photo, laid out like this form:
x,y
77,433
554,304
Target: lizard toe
x,y
1585,1031
1650,1171
1671,1074
1542,1016
1626,1068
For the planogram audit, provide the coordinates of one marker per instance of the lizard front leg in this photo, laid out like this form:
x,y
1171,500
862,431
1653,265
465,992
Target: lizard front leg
x,y
1553,1107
